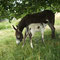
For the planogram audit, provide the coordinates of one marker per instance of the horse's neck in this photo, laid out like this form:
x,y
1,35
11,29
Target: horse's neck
x,y
21,26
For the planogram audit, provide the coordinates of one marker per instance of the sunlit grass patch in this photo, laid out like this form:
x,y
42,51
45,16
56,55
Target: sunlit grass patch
x,y
6,24
57,22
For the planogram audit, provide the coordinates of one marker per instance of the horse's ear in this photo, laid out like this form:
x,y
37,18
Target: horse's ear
x,y
14,27
17,26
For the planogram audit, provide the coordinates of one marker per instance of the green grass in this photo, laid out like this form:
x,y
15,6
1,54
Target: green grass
x,y
4,25
10,51
57,22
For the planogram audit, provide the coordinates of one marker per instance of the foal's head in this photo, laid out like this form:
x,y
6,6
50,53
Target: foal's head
x,y
18,34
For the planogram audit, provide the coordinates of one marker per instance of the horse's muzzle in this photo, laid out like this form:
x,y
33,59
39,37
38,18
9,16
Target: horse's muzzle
x,y
17,41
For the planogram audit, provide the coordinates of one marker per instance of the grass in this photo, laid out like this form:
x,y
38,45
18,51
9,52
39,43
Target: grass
x,y
57,22
10,51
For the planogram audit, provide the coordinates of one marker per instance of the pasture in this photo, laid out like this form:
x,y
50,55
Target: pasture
x,y
10,51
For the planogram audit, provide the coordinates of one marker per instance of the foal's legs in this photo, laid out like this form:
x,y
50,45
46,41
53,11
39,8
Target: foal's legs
x,y
30,36
42,32
25,36
27,32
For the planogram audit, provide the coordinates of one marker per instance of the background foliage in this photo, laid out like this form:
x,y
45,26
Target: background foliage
x,y
15,8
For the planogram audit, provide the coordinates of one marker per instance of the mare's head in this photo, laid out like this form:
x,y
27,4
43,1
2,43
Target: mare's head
x,y
18,34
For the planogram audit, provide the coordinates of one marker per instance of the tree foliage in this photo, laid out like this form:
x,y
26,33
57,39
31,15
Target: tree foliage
x,y
16,8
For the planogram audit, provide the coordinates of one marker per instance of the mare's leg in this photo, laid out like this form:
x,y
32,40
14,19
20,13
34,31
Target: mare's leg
x,y
53,29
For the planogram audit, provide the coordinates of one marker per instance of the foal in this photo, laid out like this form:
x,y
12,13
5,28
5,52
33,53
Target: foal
x,y
31,29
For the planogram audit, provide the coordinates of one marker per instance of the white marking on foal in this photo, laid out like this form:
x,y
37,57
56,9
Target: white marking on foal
x,y
34,28
42,27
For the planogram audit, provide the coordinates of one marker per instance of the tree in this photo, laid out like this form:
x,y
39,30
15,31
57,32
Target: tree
x,y
17,8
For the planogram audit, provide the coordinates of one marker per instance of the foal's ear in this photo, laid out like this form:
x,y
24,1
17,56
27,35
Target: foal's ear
x,y
14,27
